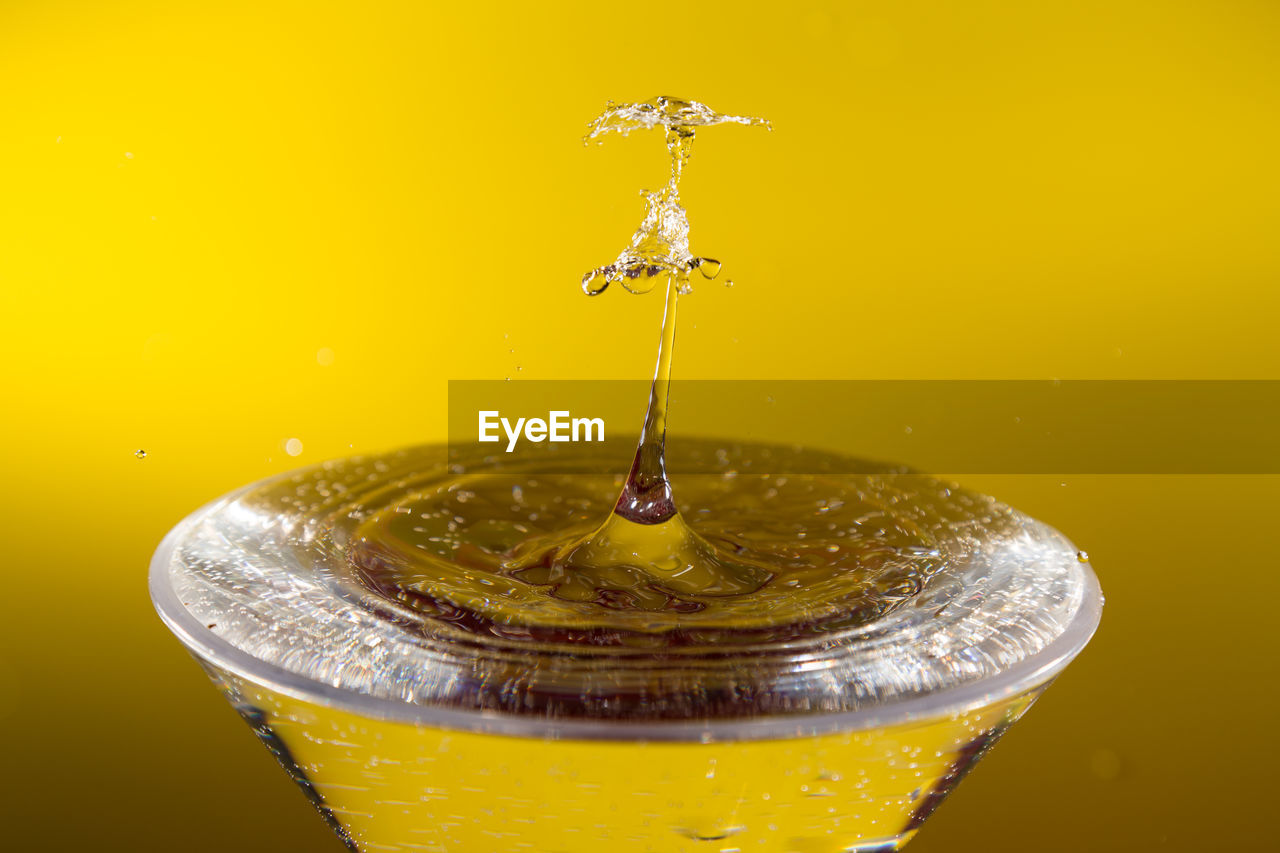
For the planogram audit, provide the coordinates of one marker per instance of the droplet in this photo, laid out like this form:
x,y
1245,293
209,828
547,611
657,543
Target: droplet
x,y
728,282
595,282
1082,556
709,267
293,447
140,453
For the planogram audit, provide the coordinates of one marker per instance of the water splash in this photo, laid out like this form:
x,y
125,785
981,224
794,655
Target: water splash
x,y
658,249
645,528
660,246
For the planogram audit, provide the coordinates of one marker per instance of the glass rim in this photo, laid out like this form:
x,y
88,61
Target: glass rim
x,y
1032,671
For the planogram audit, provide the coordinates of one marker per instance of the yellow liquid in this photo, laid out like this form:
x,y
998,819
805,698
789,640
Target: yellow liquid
x,y
401,787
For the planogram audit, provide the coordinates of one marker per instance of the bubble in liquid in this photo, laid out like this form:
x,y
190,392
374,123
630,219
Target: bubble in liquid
x,y
293,447
140,453
1082,556
324,356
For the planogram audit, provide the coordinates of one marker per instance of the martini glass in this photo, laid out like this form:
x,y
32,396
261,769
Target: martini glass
x,y
411,727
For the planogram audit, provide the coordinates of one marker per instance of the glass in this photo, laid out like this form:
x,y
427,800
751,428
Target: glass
x,y
408,732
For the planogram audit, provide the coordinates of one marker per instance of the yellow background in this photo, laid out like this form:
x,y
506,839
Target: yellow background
x,y
199,203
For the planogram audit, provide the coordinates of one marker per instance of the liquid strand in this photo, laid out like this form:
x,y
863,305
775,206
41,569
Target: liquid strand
x,y
658,251
646,496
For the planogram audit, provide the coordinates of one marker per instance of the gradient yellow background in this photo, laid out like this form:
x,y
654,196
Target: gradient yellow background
x,y
201,206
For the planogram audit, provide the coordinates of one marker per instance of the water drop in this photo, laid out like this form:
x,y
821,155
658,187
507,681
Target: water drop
x,y
595,282
709,267
1082,556
140,453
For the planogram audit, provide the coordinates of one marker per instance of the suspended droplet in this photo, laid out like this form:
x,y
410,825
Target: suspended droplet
x,y
595,282
140,453
638,285
709,267
728,282
1082,556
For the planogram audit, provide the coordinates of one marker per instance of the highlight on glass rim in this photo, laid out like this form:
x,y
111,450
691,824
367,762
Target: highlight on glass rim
x,y
590,427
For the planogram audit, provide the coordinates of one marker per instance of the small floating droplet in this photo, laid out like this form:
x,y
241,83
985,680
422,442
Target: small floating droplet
x,y
140,453
728,282
1082,556
293,447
